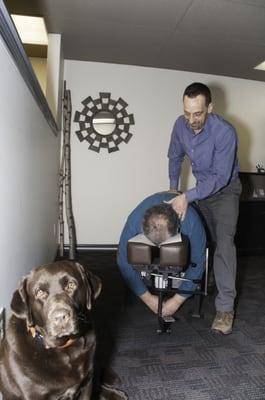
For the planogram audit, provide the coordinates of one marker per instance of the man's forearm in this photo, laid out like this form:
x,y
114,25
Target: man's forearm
x,y
174,168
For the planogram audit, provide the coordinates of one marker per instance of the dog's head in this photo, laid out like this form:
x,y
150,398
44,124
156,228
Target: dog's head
x,y
56,300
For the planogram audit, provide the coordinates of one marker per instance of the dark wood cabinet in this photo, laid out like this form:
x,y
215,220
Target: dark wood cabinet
x,y
250,236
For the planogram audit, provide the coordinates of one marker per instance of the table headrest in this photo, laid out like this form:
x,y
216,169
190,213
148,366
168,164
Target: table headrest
x,y
140,252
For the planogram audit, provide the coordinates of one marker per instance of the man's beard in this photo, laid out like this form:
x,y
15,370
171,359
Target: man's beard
x,y
196,126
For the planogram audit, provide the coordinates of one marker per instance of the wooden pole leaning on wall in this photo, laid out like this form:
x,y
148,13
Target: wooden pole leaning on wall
x,y
61,209
65,183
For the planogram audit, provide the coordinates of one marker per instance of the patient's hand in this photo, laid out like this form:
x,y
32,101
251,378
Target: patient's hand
x,y
172,305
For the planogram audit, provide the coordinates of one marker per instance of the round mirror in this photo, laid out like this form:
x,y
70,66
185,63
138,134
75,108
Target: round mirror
x,y
104,122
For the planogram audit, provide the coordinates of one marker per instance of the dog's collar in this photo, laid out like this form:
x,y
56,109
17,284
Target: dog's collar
x,y
36,334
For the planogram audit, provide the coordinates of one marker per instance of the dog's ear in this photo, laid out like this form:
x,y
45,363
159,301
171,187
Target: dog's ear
x,y
20,304
92,282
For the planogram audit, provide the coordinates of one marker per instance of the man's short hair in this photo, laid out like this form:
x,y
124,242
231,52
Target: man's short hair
x,y
160,222
197,88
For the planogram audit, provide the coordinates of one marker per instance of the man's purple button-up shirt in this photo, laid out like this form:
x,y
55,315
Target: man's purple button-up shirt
x,y
212,154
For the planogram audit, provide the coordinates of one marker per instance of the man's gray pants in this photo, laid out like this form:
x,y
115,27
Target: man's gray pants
x,y
220,212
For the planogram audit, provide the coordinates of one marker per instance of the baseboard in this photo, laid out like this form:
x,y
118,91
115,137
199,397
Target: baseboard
x,y
93,247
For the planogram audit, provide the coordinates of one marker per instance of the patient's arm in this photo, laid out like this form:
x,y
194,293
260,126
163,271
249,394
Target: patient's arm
x,y
150,300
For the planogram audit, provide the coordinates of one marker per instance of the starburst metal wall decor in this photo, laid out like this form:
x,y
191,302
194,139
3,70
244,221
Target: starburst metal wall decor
x,y
104,123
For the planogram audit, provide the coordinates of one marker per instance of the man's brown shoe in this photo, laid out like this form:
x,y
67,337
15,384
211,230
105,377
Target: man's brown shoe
x,y
223,322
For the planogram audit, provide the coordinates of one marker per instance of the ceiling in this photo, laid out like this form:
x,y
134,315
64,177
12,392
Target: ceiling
x,y
221,37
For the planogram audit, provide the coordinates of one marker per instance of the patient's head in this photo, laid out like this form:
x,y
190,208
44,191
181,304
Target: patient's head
x,y
160,222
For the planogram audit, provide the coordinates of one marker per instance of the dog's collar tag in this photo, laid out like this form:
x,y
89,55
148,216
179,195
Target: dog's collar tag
x,y
34,333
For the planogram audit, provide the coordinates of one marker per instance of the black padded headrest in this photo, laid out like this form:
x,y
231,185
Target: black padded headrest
x,y
139,253
173,254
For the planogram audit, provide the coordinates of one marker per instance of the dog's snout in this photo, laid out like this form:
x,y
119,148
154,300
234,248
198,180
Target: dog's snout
x,y
61,316
61,321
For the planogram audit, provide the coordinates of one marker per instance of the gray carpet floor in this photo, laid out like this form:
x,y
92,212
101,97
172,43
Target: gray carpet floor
x,y
191,362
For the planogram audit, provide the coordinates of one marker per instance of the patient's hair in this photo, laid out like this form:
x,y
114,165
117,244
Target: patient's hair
x,y
160,222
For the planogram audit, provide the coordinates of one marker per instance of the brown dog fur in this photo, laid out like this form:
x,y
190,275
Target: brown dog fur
x,y
48,350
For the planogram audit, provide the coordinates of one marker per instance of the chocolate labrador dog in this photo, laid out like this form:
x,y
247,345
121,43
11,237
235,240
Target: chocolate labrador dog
x,y
48,350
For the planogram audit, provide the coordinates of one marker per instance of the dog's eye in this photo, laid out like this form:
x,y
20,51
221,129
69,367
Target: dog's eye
x,y
70,287
41,294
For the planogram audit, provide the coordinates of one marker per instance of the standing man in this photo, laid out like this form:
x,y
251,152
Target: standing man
x,y
210,143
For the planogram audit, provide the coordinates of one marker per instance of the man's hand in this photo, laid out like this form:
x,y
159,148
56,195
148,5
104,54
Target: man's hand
x,y
180,205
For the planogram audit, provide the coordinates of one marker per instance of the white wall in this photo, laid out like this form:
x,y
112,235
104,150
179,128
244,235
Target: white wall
x,y
106,187
29,170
